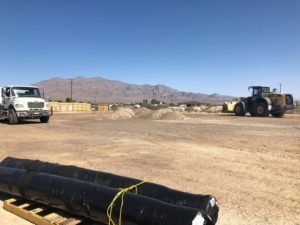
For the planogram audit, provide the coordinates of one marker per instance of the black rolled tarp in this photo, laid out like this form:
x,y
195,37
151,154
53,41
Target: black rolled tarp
x,y
205,203
92,200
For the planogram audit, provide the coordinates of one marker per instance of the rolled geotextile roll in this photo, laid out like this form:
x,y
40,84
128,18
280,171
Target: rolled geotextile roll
x,y
206,203
91,200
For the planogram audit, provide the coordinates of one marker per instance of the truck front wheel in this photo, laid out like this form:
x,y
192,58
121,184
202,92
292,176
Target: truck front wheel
x,y
44,119
12,117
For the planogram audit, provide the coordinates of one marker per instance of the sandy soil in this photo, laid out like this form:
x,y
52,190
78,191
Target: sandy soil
x,y
251,165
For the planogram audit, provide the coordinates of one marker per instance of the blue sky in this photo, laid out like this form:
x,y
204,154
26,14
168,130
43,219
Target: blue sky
x,y
203,46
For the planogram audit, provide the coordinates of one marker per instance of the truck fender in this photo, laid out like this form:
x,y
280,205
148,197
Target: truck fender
x,y
11,107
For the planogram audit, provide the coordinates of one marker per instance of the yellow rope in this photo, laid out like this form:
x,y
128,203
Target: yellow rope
x,y
121,194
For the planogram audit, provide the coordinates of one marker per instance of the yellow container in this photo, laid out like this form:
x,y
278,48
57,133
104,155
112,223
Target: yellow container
x,y
69,106
103,108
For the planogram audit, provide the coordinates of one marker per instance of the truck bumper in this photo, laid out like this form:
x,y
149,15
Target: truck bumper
x,y
32,114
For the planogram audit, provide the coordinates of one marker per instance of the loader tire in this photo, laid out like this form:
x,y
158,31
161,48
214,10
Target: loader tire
x,y
279,114
261,109
239,110
12,117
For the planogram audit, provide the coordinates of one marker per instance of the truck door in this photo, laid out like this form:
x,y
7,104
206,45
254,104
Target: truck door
x,y
2,97
6,101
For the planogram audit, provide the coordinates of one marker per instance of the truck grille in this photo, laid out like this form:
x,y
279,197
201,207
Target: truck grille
x,y
289,100
35,105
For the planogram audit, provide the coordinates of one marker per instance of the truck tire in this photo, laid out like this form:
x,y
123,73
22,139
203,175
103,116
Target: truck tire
x,y
278,114
12,117
261,109
44,119
239,110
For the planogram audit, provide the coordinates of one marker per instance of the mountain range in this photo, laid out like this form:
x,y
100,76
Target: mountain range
x,y
102,90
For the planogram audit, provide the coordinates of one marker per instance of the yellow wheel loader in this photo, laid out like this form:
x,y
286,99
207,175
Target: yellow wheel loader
x,y
262,103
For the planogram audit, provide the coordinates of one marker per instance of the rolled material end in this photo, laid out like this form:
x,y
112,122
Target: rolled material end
x,y
199,220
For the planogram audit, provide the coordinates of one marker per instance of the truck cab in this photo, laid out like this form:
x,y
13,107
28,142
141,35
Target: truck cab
x,y
23,102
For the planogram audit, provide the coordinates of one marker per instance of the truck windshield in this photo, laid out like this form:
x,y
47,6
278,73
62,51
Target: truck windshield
x,y
26,92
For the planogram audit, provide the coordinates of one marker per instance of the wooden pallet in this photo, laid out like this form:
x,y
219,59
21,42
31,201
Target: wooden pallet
x,y
40,214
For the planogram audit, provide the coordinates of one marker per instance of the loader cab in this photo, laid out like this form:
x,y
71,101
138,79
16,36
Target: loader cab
x,y
258,91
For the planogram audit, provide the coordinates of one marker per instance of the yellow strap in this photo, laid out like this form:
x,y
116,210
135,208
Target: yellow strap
x,y
121,194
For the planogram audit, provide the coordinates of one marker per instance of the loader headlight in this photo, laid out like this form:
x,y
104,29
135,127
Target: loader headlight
x,y
18,105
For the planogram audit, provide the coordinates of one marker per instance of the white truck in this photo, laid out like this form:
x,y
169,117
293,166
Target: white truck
x,y
23,102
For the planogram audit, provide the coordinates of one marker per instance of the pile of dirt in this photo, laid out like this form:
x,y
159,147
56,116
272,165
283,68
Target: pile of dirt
x,y
148,114
166,114
215,109
123,113
142,113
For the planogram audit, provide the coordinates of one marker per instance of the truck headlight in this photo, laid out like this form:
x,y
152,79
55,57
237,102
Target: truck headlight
x,y
47,105
19,105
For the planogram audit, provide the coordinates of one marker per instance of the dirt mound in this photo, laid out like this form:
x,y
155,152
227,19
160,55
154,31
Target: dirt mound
x,y
166,114
143,113
123,113
215,109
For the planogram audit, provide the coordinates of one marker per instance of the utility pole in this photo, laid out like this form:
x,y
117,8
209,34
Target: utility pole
x,y
280,87
71,82
152,94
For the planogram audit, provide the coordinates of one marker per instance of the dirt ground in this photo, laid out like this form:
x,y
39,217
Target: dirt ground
x,y
251,165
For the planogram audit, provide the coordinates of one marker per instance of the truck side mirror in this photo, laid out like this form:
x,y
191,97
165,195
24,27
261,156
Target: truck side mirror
x,y
42,93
